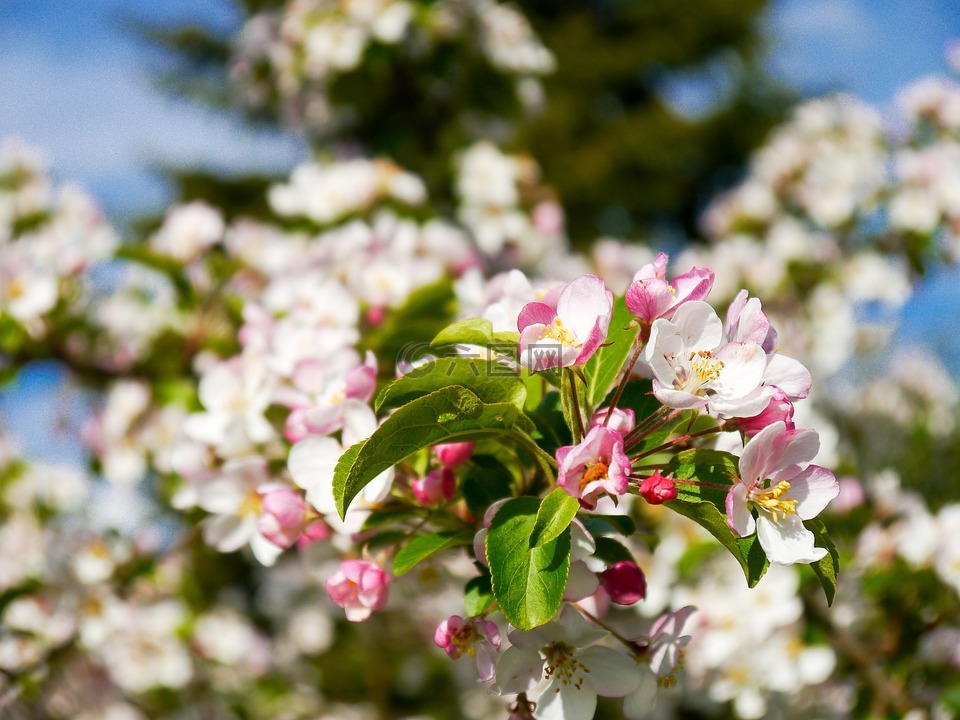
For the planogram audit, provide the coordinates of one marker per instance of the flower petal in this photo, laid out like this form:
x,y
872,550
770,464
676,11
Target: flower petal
x,y
787,541
612,674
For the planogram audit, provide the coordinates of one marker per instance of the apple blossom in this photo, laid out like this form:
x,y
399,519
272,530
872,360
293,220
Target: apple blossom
x,y
450,455
694,369
359,587
575,670
595,466
569,331
650,296
777,479
658,489
475,637
436,486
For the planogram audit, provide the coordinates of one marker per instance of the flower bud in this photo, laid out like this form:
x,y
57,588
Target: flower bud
x,y
452,454
359,587
779,409
657,489
436,486
283,517
624,582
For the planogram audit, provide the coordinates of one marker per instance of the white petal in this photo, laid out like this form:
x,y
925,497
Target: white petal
x,y
264,551
787,541
789,375
582,582
561,701
518,670
311,465
228,533
739,517
698,325
641,702
612,674
813,489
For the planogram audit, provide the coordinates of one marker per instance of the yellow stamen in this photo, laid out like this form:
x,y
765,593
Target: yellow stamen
x,y
596,471
771,499
562,335
704,366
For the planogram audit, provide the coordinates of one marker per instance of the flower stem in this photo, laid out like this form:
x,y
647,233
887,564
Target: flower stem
x,y
575,402
594,619
678,441
640,433
623,382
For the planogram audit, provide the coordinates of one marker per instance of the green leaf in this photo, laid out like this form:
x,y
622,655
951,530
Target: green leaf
x,y
609,524
477,331
486,481
472,373
706,506
528,582
602,369
554,516
551,425
611,551
423,546
478,595
827,569
450,414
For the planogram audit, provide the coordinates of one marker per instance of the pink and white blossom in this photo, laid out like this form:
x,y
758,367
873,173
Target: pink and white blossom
x,y
569,331
595,466
777,479
650,296
359,587
694,369
475,637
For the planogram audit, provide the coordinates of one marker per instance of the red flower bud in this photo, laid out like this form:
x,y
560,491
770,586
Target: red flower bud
x,y
657,489
624,582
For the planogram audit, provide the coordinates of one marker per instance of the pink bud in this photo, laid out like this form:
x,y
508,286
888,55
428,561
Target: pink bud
x,y
315,531
621,419
452,454
438,485
624,582
359,587
657,489
375,315
779,409
284,513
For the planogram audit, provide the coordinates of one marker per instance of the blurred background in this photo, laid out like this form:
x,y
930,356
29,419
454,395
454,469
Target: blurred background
x,y
643,120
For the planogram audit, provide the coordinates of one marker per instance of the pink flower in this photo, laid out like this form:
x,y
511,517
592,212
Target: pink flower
x,y
650,296
779,409
624,582
452,454
777,479
436,486
475,637
622,420
569,332
286,519
658,489
595,466
359,587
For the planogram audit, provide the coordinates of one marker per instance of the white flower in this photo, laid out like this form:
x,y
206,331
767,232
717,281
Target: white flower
x,y
574,673
693,368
